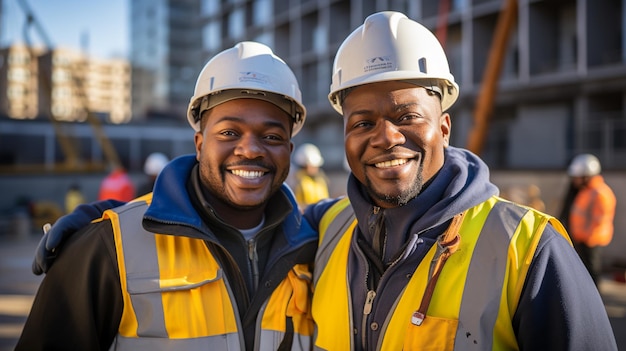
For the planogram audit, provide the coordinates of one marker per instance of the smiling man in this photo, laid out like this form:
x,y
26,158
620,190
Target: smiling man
x,y
411,139
214,258
423,254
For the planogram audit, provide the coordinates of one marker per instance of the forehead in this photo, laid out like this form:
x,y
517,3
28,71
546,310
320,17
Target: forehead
x,y
388,94
248,112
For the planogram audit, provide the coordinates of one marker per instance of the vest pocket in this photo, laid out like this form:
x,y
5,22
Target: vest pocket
x,y
185,306
153,284
435,333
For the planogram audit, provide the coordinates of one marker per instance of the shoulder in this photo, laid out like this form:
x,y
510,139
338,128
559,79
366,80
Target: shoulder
x,y
315,212
94,243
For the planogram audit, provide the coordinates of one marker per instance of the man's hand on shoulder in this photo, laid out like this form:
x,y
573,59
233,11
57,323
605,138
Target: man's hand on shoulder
x,y
65,227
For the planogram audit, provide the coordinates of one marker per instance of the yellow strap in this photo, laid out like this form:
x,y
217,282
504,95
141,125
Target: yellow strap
x,y
331,300
330,215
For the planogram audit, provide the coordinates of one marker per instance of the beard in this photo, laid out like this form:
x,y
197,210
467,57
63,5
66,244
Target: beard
x,y
404,196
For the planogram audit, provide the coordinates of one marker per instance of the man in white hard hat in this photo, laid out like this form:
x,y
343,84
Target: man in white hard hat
x,y
213,258
154,164
423,254
310,183
591,213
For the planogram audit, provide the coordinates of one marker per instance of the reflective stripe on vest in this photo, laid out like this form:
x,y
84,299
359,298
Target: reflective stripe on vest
x,y
486,274
176,297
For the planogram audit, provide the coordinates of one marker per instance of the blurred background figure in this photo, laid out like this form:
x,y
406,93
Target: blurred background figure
x,y
117,186
534,200
591,213
73,197
152,167
310,183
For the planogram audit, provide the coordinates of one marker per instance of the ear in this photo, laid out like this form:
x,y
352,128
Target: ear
x,y
446,128
198,138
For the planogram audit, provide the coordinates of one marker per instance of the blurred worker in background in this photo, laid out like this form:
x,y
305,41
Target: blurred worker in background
x,y
310,181
155,162
213,258
591,213
73,197
117,185
567,202
533,198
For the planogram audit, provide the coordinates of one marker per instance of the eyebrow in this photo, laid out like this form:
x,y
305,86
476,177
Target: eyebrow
x,y
271,123
406,106
397,108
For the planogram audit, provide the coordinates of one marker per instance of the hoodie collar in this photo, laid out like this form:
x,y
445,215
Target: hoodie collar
x,y
463,182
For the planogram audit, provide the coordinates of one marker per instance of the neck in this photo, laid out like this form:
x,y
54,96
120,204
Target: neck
x,y
237,217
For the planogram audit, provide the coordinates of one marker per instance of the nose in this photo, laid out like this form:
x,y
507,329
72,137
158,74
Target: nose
x,y
387,135
250,147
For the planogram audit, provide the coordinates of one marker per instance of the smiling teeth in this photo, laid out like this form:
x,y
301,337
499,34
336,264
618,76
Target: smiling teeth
x,y
391,163
247,174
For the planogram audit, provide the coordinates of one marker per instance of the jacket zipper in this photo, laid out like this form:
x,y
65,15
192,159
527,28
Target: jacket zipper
x,y
253,258
367,309
371,293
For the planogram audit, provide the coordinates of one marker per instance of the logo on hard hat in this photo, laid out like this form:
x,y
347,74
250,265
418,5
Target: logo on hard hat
x,y
378,62
253,77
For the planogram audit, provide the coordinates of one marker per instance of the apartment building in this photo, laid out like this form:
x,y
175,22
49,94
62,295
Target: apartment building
x,y
108,88
18,82
62,83
72,85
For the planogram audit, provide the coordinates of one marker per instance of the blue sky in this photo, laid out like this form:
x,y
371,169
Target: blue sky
x,y
103,22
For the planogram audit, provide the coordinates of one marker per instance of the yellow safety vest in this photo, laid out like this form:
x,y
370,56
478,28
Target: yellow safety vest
x,y
176,296
474,300
310,189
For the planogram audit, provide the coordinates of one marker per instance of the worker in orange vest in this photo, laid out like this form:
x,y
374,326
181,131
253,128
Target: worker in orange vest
x,y
592,212
117,186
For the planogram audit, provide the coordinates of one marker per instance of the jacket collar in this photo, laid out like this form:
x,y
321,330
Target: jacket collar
x,y
172,203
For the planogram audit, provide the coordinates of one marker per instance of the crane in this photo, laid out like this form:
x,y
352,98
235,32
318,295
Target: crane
x,y
486,96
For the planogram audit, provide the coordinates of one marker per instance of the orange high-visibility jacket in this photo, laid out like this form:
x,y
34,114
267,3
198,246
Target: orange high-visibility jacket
x,y
591,216
118,186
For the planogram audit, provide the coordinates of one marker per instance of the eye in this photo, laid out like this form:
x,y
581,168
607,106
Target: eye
x,y
229,133
409,117
273,137
362,124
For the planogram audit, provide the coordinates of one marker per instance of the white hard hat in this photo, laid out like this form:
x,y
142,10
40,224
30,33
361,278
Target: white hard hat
x,y
389,46
308,154
584,165
247,70
155,163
